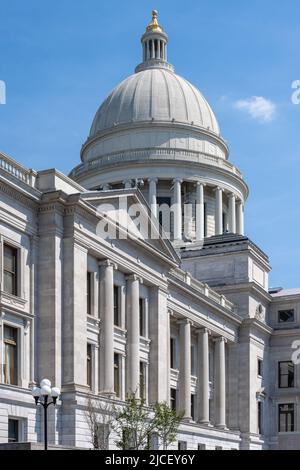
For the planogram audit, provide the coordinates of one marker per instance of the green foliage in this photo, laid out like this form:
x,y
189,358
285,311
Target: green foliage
x,y
166,423
136,423
133,424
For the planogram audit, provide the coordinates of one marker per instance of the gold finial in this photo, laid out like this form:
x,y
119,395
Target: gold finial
x,y
154,26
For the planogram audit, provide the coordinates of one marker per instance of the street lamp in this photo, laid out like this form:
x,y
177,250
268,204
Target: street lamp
x,y
41,395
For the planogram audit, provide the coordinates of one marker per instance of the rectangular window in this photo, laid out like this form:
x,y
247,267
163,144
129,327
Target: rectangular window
x,y
286,418
10,355
13,430
193,407
89,293
260,417
224,222
173,398
286,316
205,219
286,373
172,353
117,313
259,367
89,365
193,362
201,446
10,270
143,385
182,445
219,448
117,381
142,318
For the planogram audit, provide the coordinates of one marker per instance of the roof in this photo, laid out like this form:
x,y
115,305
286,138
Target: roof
x,y
155,94
286,292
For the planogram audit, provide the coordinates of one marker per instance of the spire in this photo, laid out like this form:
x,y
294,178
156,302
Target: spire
x,y
154,42
154,26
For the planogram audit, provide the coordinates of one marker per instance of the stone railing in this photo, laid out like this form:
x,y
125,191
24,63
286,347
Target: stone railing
x,y
154,154
18,171
203,289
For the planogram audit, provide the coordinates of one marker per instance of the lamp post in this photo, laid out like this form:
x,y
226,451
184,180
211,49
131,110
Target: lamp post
x,y
41,395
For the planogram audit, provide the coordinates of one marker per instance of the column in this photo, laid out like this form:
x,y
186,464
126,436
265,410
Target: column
x,y
203,376
127,184
153,49
200,212
219,212
177,210
240,218
159,332
133,334
148,49
185,369
152,195
232,214
107,328
220,383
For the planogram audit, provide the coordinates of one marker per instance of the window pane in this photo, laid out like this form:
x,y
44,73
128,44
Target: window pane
x,y
9,283
10,270
143,380
9,259
142,317
172,353
117,321
10,334
286,374
10,356
286,418
117,375
13,430
89,293
89,365
285,316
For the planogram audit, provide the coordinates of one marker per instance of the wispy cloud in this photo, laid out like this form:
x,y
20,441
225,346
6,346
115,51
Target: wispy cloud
x,y
258,108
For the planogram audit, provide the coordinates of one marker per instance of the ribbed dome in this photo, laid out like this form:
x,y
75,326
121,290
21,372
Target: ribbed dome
x,y
155,94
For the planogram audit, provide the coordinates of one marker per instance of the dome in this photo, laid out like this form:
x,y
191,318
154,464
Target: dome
x,y
155,94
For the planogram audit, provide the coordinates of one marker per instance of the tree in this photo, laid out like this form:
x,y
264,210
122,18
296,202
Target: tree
x,y
99,417
166,423
134,424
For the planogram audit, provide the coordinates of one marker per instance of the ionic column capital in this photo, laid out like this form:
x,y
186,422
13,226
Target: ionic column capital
x,y
108,264
218,188
134,277
177,180
220,339
201,331
153,180
200,183
185,321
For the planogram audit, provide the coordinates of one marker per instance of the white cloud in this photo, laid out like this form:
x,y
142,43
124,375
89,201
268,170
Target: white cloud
x,y
258,108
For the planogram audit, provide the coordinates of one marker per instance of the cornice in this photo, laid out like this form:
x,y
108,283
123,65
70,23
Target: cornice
x,y
245,287
206,300
160,156
183,313
18,195
254,323
170,125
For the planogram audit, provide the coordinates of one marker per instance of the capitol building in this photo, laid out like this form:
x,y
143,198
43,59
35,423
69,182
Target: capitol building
x,y
137,265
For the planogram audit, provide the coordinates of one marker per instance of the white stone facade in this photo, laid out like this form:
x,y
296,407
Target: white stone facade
x,y
194,313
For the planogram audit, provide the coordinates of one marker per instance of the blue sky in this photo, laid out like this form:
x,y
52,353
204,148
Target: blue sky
x,y
59,60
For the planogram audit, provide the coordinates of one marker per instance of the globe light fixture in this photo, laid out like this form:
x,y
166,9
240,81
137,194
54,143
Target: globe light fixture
x,y
41,396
